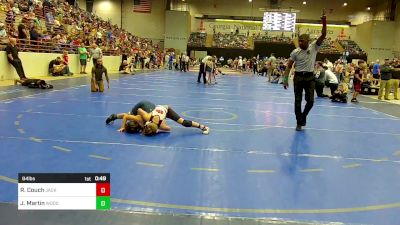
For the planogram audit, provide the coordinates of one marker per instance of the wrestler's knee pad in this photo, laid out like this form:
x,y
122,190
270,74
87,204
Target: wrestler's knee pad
x,y
187,123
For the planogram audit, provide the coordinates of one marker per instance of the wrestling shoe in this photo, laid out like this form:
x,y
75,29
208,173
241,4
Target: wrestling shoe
x,y
111,118
205,129
299,128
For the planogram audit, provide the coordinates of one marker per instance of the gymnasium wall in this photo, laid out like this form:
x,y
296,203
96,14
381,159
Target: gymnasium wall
x,y
363,35
177,30
397,32
243,8
377,38
82,4
108,10
383,40
355,11
147,25
37,64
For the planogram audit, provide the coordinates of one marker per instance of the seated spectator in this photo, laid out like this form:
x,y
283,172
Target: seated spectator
x,y
13,58
22,32
34,34
125,68
34,19
3,32
58,68
351,47
23,6
46,36
230,41
197,39
60,19
47,4
15,9
49,18
340,95
276,75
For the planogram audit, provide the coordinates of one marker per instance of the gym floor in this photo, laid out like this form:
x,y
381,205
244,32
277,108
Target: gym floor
x,y
344,167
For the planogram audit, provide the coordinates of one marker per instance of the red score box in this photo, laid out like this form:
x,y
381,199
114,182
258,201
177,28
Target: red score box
x,y
102,189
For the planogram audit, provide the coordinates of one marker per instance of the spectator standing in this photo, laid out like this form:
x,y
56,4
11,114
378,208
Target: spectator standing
x,y
83,56
385,84
376,72
358,79
13,58
396,82
96,53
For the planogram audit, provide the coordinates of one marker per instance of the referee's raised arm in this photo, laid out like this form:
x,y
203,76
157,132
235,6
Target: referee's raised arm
x,y
323,32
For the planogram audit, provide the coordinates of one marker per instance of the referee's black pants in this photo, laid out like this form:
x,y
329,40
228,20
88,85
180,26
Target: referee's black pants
x,y
202,71
255,69
303,81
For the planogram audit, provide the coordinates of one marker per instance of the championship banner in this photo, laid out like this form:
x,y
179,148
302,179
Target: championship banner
x,y
255,27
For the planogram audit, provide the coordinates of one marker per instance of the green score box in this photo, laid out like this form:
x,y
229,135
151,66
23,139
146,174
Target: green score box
x,y
103,203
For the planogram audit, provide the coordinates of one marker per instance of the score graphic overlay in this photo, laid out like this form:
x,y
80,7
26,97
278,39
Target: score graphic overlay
x,y
279,21
64,191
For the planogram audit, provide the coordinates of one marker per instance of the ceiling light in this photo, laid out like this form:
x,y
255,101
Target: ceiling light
x,y
304,3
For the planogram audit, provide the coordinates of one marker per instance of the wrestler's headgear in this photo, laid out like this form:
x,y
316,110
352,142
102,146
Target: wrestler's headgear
x,y
150,128
132,127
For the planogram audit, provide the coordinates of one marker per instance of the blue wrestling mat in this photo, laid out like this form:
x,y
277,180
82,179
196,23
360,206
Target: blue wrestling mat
x,y
344,167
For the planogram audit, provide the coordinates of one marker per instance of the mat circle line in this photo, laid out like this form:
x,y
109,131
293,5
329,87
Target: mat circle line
x,y
233,116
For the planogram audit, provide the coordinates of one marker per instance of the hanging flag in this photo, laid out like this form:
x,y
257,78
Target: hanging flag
x,y
142,6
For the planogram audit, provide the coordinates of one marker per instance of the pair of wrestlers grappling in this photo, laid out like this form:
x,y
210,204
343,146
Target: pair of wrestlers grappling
x,y
148,118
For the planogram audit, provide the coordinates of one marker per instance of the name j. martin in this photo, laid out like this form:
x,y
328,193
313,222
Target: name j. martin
x,y
34,203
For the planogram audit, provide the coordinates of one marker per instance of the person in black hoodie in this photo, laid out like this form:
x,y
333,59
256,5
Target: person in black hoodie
x,y
13,57
396,80
34,83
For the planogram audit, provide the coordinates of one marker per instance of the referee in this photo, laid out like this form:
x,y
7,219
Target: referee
x,y
304,58
202,70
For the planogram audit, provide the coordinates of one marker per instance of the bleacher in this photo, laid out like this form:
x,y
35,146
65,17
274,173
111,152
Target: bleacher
x,y
197,39
238,41
328,47
230,40
352,47
270,39
60,27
